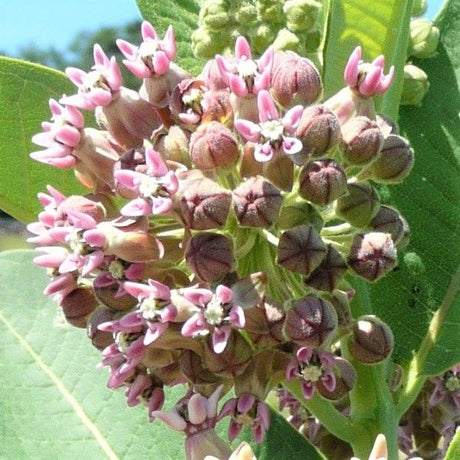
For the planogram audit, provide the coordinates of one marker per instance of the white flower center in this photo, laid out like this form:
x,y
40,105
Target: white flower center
x,y
149,186
452,383
246,68
214,312
77,243
95,80
149,308
123,341
272,130
312,373
148,48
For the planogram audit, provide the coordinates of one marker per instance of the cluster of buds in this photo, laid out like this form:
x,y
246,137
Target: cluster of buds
x,y
222,215
284,24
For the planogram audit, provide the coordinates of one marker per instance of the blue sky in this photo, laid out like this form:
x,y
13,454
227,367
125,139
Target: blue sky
x,y
55,23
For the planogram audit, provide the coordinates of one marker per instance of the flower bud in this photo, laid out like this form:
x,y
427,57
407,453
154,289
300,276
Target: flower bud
x,y
295,80
173,145
340,300
107,295
286,40
329,272
310,321
372,340
209,256
212,146
245,12
319,131
359,205
395,161
301,15
362,140
419,7
345,380
214,14
386,124
322,182
372,255
301,249
388,220
78,305
100,339
415,85
270,11
256,202
424,38
264,36
300,213
203,203
206,43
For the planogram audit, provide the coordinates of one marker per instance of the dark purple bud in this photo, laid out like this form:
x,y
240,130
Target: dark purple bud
x,y
372,255
203,203
256,202
345,379
192,366
300,213
372,340
362,140
319,131
329,272
386,124
209,256
322,181
388,220
310,321
295,80
78,305
395,161
107,295
100,339
341,302
213,146
359,205
301,249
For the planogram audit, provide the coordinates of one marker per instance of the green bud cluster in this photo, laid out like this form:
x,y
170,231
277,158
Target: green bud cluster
x,y
285,24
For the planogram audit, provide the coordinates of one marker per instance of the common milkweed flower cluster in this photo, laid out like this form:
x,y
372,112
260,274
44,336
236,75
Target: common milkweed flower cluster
x,y
223,214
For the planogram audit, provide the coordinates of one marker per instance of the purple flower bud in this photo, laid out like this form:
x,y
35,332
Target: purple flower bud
x,y
213,146
110,297
340,300
388,220
322,181
256,202
395,161
362,140
372,340
310,321
359,205
319,131
301,249
372,255
329,272
386,124
78,305
203,203
295,80
345,380
100,339
209,256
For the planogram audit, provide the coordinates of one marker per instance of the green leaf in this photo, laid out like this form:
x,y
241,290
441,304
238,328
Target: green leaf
x,y
453,453
183,16
24,92
371,25
429,199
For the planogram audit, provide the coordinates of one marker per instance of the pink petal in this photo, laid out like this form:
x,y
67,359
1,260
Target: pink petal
x,y
291,119
237,317
129,179
328,380
148,31
169,43
100,58
194,325
234,430
197,409
172,419
139,290
291,145
371,81
198,296
127,49
304,354
237,85
114,77
155,164
159,290
245,403
242,48
68,135
307,389
138,68
137,207
160,62
154,331
264,152
266,106
351,69
249,130
224,294
220,338
76,76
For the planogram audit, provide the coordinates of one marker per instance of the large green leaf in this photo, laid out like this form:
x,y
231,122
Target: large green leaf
x,y
183,16
428,278
453,453
24,92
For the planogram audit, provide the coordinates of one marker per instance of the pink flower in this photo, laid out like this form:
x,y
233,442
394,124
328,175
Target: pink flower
x,y
367,79
311,367
153,189
270,134
243,75
153,56
217,315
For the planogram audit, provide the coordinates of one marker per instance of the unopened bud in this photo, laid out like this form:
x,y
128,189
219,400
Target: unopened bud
x,y
386,124
100,339
214,14
329,273
270,11
213,146
78,305
256,202
301,249
359,205
415,85
301,15
173,145
389,220
300,213
206,43
107,295
372,255
345,380
362,140
263,37
209,256
295,80
203,203
424,38
372,340
310,321
322,181
419,7
319,131
394,163
341,302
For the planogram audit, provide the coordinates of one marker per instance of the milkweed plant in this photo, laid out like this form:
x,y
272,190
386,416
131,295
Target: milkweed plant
x,y
235,226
